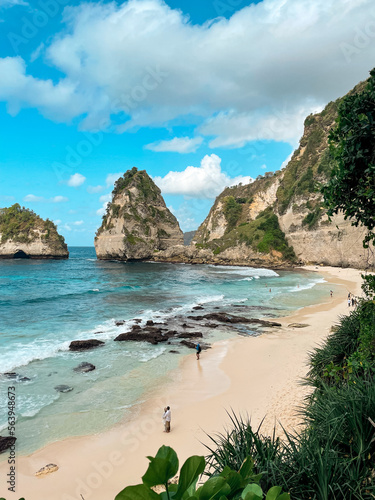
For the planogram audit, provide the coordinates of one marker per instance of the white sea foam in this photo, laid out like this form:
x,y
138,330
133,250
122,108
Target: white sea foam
x,y
147,356
306,286
22,355
245,271
35,403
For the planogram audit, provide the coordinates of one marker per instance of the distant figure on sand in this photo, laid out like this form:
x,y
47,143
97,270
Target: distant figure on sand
x,y
349,301
199,350
167,419
331,293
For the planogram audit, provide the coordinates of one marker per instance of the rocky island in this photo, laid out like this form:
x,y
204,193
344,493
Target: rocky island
x,y
23,234
137,223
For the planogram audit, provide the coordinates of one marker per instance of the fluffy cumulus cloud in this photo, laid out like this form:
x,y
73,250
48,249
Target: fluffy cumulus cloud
x,y
31,198
176,145
104,200
253,76
206,181
76,180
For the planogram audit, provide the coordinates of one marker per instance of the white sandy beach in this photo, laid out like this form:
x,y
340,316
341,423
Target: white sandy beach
x,y
260,376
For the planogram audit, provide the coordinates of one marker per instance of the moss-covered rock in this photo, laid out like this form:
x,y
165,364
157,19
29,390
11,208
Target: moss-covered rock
x,y
24,234
137,222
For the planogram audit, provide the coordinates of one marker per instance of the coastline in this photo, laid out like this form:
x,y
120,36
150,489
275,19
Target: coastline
x,y
257,375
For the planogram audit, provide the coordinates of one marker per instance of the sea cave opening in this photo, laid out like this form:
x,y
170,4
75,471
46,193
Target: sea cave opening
x,y
20,254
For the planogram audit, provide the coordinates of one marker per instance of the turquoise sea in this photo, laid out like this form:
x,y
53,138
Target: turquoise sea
x,y
44,305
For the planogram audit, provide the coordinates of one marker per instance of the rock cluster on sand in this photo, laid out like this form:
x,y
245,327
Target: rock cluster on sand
x,y
46,470
6,442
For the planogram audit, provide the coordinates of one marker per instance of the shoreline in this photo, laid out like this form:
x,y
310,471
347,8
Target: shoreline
x,y
257,375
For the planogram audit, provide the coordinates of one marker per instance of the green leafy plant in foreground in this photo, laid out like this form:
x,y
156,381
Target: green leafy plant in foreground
x,y
226,485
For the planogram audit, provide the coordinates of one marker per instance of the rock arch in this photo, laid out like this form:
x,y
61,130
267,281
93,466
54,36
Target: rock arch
x,y
20,254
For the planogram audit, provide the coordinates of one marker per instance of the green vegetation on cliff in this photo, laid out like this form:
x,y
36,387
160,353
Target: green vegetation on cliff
x,y
262,234
22,225
351,187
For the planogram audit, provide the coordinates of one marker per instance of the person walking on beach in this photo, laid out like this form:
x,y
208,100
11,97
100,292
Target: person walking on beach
x,y
331,293
349,301
199,350
167,419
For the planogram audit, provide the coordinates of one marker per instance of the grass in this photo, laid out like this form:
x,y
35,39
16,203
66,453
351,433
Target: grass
x,y
333,457
262,234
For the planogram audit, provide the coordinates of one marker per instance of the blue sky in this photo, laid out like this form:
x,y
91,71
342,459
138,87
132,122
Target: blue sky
x,y
199,94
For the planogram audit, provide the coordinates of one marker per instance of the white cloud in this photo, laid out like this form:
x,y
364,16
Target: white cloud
x,y
254,76
59,199
185,217
66,227
264,166
206,181
40,199
57,222
94,189
176,145
34,199
112,178
78,223
104,200
76,180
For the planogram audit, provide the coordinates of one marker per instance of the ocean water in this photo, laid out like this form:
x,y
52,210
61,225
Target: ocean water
x,y
44,305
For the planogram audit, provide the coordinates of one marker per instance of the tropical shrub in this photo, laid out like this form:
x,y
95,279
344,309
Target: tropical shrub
x,y
226,485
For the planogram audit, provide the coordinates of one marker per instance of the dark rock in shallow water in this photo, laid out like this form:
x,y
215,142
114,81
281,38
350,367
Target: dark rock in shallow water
x,y
137,320
198,308
16,376
211,325
150,322
6,442
81,345
84,367
185,325
174,352
153,336
119,323
231,319
63,388
190,335
298,325
52,373
192,345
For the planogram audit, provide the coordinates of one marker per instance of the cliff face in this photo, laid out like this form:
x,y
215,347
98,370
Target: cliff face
x,y
137,223
23,234
293,196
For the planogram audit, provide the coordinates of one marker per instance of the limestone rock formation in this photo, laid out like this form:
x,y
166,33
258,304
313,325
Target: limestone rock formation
x,y
280,217
23,234
137,224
